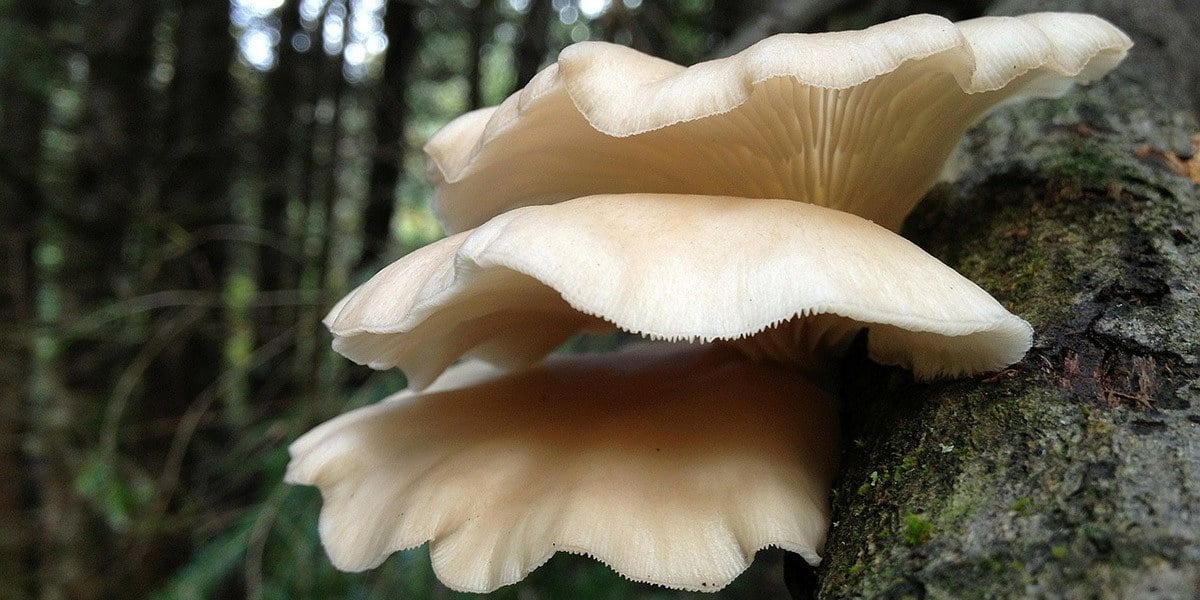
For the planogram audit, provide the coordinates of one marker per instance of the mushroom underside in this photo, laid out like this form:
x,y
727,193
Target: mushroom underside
x,y
673,465
859,121
803,281
664,203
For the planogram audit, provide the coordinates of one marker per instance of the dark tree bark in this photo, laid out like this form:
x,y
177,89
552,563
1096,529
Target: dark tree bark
x,y
535,42
198,152
1075,473
91,225
23,109
291,148
290,144
480,31
337,90
391,115
196,167
320,175
780,16
858,14
676,30
110,180
285,93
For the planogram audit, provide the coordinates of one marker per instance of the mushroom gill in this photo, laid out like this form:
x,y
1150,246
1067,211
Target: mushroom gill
x,y
673,464
679,268
860,121
621,191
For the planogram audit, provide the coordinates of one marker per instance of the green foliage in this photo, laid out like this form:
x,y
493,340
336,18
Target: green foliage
x,y
210,565
1022,506
117,496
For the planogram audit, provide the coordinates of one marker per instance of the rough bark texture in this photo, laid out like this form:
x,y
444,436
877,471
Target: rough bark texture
x,y
1076,474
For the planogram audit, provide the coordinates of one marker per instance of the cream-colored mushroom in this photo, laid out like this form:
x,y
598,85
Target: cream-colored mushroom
x,y
860,121
783,280
673,465
622,191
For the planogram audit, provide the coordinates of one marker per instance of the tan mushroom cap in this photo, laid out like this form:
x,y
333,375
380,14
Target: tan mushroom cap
x,y
861,121
671,466
675,267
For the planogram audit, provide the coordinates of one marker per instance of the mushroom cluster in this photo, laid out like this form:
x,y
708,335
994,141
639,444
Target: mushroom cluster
x,y
742,213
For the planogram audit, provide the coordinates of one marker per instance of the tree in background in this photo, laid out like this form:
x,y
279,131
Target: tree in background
x,y
180,207
186,187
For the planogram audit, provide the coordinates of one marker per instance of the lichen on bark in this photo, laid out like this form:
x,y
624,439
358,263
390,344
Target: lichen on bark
x,y
1076,473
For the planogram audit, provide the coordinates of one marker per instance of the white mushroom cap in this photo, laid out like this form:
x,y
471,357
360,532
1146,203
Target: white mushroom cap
x,y
674,267
860,121
671,466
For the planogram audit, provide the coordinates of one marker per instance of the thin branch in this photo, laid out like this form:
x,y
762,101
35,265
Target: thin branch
x,y
168,479
134,372
176,299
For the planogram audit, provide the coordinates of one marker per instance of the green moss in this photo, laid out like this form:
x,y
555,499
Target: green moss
x,y
1022,506
857,568
1086,163
908,463
917,530
1054,234
990,563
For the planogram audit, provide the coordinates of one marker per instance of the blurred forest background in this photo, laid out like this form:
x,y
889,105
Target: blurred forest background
x,y
186,186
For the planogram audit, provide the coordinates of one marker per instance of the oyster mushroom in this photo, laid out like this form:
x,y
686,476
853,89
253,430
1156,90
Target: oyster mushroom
x,y
778,279
860,121
621,191
671,464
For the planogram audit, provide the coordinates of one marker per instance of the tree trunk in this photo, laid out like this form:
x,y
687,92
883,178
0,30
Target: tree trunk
x,y
287,141
1075,474
88,227
535,41
23,109
321,189
199,153
727,17
284,96
480,34
391,116
195,171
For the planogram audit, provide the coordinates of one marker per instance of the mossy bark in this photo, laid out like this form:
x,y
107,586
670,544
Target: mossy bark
x,y
1076,473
